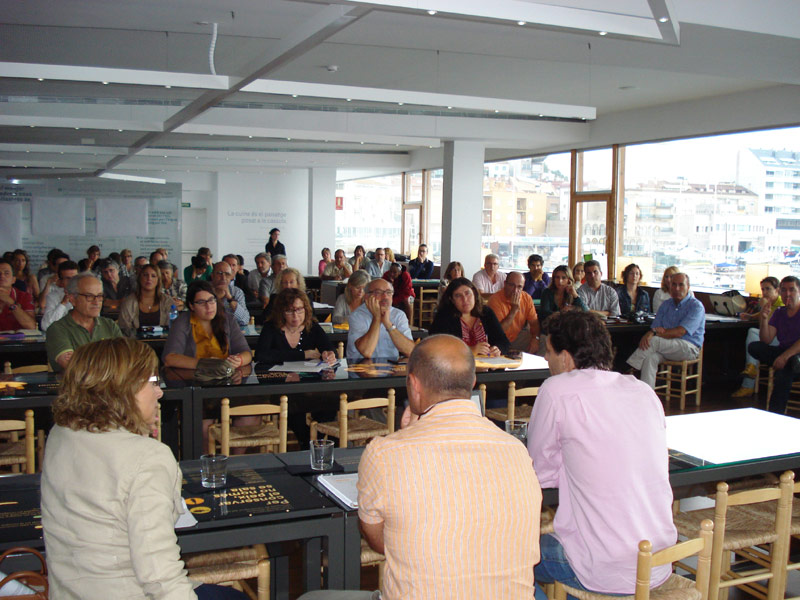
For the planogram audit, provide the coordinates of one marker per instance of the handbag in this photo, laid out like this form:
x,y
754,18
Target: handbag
x,y
212,369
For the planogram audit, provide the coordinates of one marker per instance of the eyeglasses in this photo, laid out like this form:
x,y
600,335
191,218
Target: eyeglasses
x,y
155,381
294,311
92,297
225,273
381,292
208,302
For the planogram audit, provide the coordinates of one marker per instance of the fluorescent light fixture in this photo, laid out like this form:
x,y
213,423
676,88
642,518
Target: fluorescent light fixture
x,y
122,177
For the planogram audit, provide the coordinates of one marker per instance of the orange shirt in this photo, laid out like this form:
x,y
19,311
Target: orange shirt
x,y
460,505
526,313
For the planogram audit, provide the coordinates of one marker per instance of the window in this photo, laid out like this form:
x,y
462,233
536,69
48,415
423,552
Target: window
x,y
370,215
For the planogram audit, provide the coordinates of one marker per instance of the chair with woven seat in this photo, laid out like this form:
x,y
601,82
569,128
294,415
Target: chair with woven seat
x,y
426,306
675,376
233,567
9,370
675,587
512,410
16,452
736,529
266,435
372,558
357,428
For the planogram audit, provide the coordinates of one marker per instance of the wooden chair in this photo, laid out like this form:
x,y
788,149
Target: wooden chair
x,y
340,350
233,567
264,435
357,428
426,306
677,374
9,370
794,394
36,581
16,453
512,411
371,558
674,588
736,529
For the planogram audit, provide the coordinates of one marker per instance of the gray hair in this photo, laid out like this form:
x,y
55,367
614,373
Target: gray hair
x,y
165,264
72,286
263,255
278,256
494,256
357,279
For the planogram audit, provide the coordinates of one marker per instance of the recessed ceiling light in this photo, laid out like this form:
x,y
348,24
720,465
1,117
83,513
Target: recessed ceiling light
x,y
168,87
603,33
521,23
40,79
105,83
32,126
400,103
250,136
362,143
540,116
288,139
294,95
431,12
120,130
449,108
77,128
497,111
663,19
349,99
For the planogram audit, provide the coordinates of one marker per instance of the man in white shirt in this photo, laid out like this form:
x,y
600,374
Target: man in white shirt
x,y
267,283
254,277
489,279
598,297
379,265
57,304
339,269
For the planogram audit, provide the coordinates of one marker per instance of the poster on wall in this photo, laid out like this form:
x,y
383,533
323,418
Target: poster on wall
x,y
122,217
11,225
54,216
163,217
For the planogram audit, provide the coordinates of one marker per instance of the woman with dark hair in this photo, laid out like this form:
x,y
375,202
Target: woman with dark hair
x,y
559,295
148,306
359,258
454,270
292,333
326,260
16,306
201,267
92,255
273,246
631,298
25,280
110,494
461,313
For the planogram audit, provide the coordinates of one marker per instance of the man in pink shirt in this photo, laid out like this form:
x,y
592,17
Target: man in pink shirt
x,y
600,438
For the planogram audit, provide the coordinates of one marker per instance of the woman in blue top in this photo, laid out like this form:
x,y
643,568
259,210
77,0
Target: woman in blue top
x,y
631,298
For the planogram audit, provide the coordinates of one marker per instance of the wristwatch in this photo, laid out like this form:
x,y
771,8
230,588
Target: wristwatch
x,y
12,307
393,327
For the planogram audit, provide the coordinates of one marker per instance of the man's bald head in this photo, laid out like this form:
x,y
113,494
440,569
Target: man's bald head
x,y
444,368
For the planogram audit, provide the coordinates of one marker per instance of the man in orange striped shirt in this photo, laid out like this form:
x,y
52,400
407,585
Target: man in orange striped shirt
x,y
450,499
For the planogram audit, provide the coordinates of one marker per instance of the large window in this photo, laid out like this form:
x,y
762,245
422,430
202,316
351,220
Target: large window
x,y
717,207
526,210
370,213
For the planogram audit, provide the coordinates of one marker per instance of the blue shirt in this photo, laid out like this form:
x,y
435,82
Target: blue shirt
x,y
689,314
360,320
535,288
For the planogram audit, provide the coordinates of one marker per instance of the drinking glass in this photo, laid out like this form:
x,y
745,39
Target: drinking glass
x,y
213,470
321,454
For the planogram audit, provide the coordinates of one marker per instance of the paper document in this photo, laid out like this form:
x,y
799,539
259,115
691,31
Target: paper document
x,y
343,487
321,305
530,361
185,519
304,366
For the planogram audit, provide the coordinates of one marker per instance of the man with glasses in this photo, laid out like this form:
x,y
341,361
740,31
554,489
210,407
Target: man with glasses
x,y
82,325
517,314
229,297
376,328
489,279
379,265
421,267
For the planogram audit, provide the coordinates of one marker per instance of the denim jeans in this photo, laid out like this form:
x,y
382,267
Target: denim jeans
x,y
208,591
782,381
554,566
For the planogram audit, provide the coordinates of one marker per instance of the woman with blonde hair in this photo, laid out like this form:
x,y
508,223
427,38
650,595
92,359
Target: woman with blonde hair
x,y
149,306
110,493
352,298
663,292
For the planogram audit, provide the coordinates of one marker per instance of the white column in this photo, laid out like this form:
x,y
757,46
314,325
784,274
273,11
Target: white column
x,y
321,215
462,205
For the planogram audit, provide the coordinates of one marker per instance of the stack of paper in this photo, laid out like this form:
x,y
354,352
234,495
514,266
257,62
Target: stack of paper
x,y
343,487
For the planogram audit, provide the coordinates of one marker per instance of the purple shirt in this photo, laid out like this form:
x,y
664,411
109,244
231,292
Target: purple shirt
x,y
535,288
788,327
600,438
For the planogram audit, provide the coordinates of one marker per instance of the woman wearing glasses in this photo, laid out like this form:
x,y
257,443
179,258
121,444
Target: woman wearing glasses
x,y
110,494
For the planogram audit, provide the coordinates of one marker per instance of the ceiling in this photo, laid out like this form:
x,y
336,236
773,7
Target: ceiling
x,y
104,86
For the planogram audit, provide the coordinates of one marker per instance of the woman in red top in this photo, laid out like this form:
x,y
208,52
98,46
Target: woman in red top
x,y
16,307
403,290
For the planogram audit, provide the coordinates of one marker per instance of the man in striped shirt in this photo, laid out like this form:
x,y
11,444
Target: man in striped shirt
x,y
450,499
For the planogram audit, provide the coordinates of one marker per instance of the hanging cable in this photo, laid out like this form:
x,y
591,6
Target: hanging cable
x,y
212,47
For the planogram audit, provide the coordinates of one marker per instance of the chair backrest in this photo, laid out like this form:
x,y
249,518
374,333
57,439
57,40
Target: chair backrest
x,y
9,370
514,393
702,546
250,410
345,407
14,425
340,350
782,495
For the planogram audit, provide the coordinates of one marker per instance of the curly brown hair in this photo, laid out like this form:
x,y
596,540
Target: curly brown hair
x,y
284,301
98,392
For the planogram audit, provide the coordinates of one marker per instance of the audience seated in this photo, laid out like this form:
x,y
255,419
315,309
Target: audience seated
x,y
273,246
578,275
536,280
229,297
51,268
663,292
338,269
769,297
560,294
352,297
171,285
631,297
462,313
443,538
156,257
57,303
359,259
149,306
517,314
200,267
377,329
115,288
378,265
326,260
263,264
47,281
421,267
389,255
783,325
25,281
454,270
138,263
403,294
16,307
92,256
676,334
267,285
126,263
83,323
600,438
489,279
596,295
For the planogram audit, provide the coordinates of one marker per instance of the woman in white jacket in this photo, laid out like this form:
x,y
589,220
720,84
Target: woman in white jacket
x,y
110,494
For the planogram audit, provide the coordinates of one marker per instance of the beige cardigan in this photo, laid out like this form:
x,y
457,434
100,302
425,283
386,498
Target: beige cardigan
x,y
129,313
109,505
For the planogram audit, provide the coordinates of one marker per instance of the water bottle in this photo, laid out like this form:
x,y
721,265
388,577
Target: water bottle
x,y
173,314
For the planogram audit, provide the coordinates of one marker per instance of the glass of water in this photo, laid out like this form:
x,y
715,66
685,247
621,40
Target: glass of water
x,y
321,454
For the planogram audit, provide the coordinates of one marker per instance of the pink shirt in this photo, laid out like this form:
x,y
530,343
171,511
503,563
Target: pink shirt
x,y
600,438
